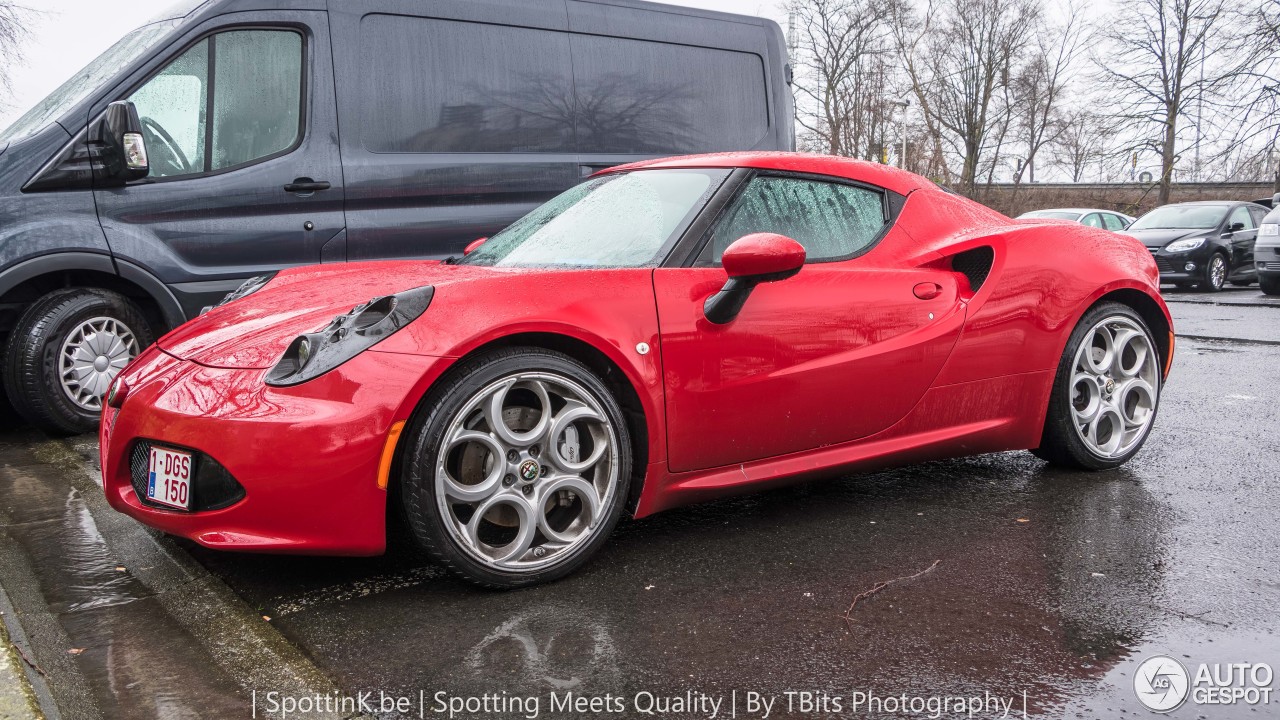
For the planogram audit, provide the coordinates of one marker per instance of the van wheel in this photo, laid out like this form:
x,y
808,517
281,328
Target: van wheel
x,y
63,353
1270,284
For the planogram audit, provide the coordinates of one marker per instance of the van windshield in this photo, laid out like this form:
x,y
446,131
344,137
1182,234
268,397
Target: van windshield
x,y
125,51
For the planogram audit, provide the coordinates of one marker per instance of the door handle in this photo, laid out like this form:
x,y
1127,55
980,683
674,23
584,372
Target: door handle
x,y
305,185
927,290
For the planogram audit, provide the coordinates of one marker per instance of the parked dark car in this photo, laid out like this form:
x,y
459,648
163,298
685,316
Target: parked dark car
x,y
1202,243
1266,251
244,136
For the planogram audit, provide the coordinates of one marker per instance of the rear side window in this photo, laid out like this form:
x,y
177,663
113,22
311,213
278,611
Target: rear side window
x,y
1092,220
445,86
640,97
254,80
832,221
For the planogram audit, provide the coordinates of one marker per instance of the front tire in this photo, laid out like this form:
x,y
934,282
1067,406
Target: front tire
x,y
1106,391
1215,273
518,470
1270,284
63,353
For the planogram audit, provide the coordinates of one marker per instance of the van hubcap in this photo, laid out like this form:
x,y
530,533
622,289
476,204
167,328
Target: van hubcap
x,y
1115,386
527,471
92,356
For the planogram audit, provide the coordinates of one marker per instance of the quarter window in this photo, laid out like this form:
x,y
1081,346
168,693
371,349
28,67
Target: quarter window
x,y
231,99
832,221
1113,221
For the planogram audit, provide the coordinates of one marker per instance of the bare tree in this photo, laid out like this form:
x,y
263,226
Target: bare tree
x,y
15,25
1040,86
1168,59
961,71
1083,138
841,71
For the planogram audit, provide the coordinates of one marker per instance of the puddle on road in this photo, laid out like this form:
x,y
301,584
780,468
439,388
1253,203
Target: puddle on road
x,y
138,662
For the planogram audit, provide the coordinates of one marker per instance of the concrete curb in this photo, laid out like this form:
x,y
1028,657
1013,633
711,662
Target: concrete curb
x,y
247,647
23,692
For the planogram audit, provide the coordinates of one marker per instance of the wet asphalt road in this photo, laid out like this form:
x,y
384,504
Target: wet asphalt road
x,y
1052,583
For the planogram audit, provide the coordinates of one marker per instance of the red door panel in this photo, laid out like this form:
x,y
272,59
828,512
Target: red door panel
x,y
833,354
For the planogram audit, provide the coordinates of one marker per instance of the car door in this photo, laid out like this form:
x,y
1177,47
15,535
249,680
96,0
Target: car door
x,y
840,351
245,175
1241,233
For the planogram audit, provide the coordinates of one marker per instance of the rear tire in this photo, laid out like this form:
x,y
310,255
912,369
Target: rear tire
x,y
532,498
63,353
1270,284
1106,391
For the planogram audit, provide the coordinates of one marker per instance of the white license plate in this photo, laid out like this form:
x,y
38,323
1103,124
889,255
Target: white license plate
x,y
169,478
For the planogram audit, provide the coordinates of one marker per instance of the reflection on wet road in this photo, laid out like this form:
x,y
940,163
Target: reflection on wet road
x,y
1056,583
1050,582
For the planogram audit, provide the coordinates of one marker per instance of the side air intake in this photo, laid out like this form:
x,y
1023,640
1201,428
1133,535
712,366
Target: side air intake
x,y
974,264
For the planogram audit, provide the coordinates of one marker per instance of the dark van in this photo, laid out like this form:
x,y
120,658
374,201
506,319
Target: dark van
x,y
238,137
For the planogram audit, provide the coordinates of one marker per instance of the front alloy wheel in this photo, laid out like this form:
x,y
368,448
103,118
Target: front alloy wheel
x,y
520,471
1106,391
1215,273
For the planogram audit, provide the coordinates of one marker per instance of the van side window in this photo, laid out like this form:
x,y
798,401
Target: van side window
x,y
833,221
254,79
642,97
446,86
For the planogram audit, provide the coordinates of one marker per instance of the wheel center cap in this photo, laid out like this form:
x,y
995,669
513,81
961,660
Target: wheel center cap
x,y
529,470
101,363
1111,386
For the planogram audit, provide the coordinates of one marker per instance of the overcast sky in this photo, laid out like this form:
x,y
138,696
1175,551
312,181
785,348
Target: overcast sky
x,y
67,34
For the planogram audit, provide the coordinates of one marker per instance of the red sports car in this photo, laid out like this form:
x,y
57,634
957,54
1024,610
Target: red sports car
x,y
664,333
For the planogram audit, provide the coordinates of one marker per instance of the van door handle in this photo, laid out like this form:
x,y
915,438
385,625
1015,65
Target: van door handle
x,y
305,185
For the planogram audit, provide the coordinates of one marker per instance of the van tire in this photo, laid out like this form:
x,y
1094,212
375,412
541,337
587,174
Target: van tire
x,y
31,367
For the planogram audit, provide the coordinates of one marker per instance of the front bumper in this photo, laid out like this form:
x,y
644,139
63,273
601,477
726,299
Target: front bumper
x,y
307,456
1266,257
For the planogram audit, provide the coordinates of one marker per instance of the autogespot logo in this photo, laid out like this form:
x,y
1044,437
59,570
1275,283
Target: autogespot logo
x,y
1161,683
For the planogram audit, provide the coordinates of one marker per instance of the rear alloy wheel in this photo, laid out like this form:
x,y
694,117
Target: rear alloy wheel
x,y
1215,273
520,470
1106,391
1270,284
65,350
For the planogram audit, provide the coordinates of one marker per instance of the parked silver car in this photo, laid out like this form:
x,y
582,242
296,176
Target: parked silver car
x,y
1107,219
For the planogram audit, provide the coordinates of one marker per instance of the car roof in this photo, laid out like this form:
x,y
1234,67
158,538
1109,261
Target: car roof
x,y
1082,211
891,178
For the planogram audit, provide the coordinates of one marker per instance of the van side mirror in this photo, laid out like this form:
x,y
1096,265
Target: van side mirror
x,y
121,152
749,261
473,246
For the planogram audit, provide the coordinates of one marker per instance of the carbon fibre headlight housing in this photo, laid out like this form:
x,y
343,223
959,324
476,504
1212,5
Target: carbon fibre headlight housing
x,y
247,288
346,336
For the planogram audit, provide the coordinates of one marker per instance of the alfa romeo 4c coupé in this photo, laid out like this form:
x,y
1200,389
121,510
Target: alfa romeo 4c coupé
x,y
664,333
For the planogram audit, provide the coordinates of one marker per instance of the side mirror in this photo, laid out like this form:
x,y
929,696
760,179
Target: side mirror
x,y
121,152
1235,227
473,246
749,261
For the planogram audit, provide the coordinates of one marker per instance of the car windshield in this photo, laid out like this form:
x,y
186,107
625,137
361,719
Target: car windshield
x,y
125,51
619,220
1052,215
1182,217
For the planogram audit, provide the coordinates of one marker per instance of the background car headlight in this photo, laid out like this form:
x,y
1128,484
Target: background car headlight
x,y
1184,245
346,336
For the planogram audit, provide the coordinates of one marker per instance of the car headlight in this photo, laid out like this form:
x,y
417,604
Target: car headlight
x,y
346,336
247,288
1184,245
1269,229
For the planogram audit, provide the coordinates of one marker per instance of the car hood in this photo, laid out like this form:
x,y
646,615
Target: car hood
x,y
1158,238
253,332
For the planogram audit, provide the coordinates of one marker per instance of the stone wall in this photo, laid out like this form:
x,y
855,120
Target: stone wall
x,y
1129,198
